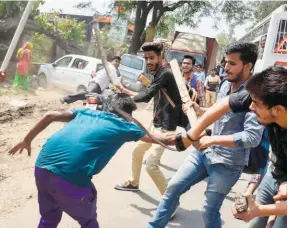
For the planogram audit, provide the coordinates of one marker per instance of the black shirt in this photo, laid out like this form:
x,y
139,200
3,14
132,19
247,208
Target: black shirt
x,y
240,102
165,115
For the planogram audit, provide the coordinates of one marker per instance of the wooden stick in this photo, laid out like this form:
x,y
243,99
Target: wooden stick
x,y
103,55
192,117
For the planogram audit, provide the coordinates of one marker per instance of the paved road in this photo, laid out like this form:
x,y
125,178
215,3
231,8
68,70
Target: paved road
x,y
133,210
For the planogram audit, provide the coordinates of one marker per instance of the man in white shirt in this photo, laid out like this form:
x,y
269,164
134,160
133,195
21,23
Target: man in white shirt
x,y
98,84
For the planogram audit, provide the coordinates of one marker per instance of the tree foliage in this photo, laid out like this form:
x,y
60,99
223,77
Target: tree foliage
x,y
187,13
42,47
68,33
65,28
224,39
262,9
166,26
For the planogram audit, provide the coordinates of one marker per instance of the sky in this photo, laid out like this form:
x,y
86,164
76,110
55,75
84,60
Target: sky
x,y
205,28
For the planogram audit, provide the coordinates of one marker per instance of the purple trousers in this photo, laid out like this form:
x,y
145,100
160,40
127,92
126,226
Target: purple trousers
x,y
56,195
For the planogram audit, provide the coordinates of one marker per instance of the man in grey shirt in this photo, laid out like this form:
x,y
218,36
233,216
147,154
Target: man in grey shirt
x,y
221,157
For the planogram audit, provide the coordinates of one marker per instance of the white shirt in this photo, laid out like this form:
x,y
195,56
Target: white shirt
x,y
102,79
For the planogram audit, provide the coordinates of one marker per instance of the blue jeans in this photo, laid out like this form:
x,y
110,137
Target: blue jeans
x,y
221,179
267,189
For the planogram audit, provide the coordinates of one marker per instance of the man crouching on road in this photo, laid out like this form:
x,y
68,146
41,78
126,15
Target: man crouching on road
x,y
70,157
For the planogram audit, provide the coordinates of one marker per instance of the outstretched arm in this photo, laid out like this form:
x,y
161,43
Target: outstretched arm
x,y
50,117
209,117
166,138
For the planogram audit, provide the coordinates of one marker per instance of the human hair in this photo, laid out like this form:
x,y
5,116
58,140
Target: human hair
x,y
151,46
248,52
270,86
123,102
116,58
190,57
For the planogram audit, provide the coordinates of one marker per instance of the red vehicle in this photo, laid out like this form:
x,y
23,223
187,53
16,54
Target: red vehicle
x,y
204,49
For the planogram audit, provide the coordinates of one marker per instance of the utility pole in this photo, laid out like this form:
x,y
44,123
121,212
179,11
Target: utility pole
x,y
16,36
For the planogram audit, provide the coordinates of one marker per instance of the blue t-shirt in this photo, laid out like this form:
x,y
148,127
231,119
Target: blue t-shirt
x,y
84,146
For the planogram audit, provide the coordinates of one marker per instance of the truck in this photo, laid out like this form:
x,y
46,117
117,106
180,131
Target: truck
x,y
270,36
204,49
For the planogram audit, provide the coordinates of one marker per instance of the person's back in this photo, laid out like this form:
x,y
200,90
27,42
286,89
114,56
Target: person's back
x,y
212,83
165,113
76,157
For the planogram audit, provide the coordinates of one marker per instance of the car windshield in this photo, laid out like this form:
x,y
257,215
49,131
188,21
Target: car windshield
x,y
132,62
178,55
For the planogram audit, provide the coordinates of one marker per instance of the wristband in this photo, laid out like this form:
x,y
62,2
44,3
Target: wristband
x,y
179,142
188,136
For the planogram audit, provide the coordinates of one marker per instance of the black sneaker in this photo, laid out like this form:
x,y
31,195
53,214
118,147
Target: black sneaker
x,y
127,186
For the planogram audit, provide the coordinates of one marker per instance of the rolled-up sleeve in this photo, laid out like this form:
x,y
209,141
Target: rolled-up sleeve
x,y
252,134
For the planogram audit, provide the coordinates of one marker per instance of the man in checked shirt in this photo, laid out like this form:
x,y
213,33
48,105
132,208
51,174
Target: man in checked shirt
x,y
192,79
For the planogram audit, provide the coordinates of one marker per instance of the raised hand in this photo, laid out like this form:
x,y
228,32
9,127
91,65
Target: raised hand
x,y
20,147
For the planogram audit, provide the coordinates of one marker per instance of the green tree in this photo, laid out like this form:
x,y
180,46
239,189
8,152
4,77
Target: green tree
x,y
68,33
223,40
64,28
184,13
189,13
166,26
262,9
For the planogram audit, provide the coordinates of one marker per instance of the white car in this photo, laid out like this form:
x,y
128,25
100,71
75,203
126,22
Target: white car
x,y
71,72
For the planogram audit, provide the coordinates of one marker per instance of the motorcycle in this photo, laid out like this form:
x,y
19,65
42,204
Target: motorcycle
x,y
97,101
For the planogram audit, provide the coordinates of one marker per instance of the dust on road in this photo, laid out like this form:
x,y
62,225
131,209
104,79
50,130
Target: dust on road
x,y
15,122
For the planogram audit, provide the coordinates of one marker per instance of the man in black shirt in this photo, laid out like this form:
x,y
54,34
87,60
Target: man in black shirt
x,y
167,108
267,97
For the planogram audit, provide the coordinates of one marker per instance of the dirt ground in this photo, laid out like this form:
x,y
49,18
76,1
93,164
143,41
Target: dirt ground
x,y
15,171
15,122
18,198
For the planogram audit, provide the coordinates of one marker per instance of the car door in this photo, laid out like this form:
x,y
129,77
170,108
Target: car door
x,y
59,71
131,67
77,74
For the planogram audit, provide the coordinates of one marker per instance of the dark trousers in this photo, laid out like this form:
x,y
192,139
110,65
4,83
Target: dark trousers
x,y
93,87
56,195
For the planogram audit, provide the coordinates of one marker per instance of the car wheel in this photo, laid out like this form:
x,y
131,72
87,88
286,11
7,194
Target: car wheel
x,y
81,88
42,80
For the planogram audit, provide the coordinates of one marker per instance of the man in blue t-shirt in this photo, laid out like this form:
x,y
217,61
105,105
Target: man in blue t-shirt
x,y
70,157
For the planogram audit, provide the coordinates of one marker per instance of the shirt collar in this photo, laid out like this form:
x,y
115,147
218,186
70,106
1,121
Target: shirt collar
x,y
242,86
